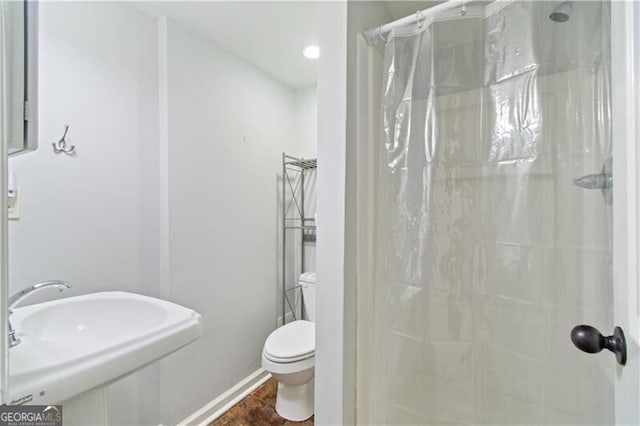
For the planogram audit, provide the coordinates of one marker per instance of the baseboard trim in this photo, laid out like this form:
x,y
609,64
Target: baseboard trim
x,y
224,402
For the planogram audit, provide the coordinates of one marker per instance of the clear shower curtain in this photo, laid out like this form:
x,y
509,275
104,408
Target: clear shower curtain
x,y
488,253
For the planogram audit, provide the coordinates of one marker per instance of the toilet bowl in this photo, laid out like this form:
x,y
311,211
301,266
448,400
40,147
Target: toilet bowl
x,y
289,355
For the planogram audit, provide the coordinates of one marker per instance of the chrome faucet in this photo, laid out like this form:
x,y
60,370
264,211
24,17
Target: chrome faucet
x,y
21,295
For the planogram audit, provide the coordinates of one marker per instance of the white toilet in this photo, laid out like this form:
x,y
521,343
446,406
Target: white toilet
x,y
289,355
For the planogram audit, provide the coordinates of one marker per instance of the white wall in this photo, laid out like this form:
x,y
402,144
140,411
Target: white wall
x,y
81,215
329,392
228,125
335,328
306,122
92,219
305,146
173,192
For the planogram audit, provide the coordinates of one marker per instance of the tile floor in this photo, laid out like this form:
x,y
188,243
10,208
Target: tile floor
x,y
257,409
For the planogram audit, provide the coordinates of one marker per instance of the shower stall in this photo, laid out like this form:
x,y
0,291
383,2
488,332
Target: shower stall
x,y
486,230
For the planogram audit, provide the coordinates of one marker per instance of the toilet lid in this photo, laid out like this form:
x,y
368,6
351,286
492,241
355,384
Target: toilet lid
x,y
292,342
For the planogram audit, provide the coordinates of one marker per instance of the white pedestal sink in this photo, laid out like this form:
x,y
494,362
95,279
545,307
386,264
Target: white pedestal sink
x,y
73,345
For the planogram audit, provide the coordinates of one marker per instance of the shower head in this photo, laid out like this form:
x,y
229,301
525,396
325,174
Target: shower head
x,y
561,12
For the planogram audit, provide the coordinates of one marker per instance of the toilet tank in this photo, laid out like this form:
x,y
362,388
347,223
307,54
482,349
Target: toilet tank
x,y
308,283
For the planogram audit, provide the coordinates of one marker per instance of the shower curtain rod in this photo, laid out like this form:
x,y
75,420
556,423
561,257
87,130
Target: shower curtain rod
x,y
374,33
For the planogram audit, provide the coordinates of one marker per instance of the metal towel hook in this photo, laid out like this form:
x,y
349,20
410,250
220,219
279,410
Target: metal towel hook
x,y
62,145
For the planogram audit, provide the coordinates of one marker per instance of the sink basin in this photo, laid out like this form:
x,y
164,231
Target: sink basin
x,y
72,345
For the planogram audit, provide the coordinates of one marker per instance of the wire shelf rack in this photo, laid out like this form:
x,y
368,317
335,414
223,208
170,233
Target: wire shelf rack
x,y
295,171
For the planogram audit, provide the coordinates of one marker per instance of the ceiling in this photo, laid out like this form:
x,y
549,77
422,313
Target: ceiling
x,y
268,34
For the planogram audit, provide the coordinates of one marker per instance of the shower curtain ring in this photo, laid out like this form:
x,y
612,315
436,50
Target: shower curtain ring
x,y
463,10
418,20
379,35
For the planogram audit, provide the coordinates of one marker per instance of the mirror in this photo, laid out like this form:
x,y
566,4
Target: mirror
x,y
19,74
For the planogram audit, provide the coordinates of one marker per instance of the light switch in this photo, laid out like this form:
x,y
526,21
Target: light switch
x,y
14,204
